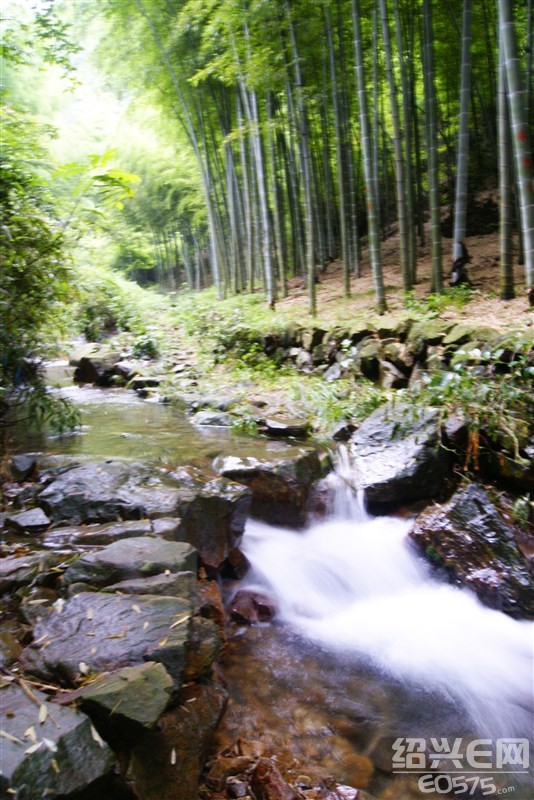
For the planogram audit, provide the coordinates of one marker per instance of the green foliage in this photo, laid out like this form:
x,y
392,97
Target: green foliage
x,y
434,304
339,401
109,303
34,280
491,389
523,511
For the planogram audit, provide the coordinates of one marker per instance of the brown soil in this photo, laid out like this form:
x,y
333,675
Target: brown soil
x,y
485,305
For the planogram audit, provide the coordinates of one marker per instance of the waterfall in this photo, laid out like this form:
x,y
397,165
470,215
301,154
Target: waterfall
x,y
355,585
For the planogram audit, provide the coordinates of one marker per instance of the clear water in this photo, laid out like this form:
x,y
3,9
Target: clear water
x,y
116,423
370,648
367,646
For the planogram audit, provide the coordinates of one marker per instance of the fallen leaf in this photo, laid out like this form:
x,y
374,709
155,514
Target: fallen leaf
x,y
55,765
96,736
136,609
33,748
11,738
29,733
50,744
43,713
90,613
180,621
173,755
163,642
84,669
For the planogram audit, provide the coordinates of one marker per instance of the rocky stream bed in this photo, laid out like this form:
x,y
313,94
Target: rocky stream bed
x,y
138,662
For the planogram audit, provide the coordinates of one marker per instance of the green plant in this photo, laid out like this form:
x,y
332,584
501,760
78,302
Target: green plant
x,y
491,389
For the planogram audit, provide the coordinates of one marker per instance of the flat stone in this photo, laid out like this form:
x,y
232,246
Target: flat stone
x,y
138,557
20,570
173,584
283,428
215,418
102,632
67,762
137,694
91,535
105,492
32,521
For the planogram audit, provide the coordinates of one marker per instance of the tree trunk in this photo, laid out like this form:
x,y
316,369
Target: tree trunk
x,y
366,145
432,148
520,137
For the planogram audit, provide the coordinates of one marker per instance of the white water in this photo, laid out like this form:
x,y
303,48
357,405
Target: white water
x,y
355,585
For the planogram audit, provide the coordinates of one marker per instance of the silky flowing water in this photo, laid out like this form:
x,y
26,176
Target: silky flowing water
x,y
369,656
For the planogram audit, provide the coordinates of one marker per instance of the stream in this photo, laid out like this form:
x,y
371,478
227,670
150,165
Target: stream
x,y
373,669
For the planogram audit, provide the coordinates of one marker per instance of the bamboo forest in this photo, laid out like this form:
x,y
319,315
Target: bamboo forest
x,y
266,407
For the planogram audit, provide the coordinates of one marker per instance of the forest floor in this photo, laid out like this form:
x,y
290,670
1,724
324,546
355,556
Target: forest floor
x,y
483,303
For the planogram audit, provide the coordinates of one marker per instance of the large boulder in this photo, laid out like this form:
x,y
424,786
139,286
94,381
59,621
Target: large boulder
x,y
280,485
213,512
212,509
105,492
131,558
472,541
166,764
397,454
48,751
95,364
96,633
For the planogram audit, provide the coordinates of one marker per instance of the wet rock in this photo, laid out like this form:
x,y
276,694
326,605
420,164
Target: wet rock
x,y
213,510
33,521
280,486
21,570
223,768
168,584
268,784
469,537
167,764
92,535
343,432
146,382
97,368
397,454
216,418
205,645
250,607
53,758
284,428
517,474
132,695
211,603
139,557
101,632
22,467
104,492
